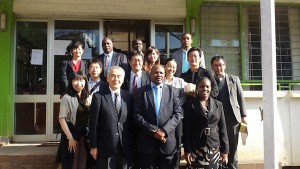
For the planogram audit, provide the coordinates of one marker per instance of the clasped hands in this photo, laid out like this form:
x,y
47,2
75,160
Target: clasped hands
x,y
160,134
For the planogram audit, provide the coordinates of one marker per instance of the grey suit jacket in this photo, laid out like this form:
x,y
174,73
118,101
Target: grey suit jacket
x,y
145,80
236,96
118,59
177,55
146,120
106,129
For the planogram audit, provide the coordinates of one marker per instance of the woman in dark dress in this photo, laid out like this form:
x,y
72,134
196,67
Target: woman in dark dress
x,y
73,119
205,136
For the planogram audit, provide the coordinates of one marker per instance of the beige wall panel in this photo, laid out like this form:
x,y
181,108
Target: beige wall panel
x,y
104,8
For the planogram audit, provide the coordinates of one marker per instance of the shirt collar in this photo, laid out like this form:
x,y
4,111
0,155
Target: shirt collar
x,y
116,91
139,73
109,54
91,81
159,86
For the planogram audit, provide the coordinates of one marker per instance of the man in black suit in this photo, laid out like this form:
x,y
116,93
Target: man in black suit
x,y
137,77
157,112
111,124
137,46
111,58
231,96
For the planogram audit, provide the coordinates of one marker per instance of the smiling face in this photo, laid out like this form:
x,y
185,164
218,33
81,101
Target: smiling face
x,y
194,58
78,84
115,79
157,74
107,45
153,56
94,71
219,66
171,67
136,63
204,88
77,52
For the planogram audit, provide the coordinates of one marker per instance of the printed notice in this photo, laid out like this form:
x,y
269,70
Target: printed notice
x,y
36,57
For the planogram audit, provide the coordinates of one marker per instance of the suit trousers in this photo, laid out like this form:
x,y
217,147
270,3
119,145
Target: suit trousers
x,y
119,161
233,137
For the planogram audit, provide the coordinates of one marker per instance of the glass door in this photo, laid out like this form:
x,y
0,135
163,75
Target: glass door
x,y
30,108
64,32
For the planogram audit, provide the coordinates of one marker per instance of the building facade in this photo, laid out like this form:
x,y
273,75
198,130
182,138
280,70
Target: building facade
x,y
36,33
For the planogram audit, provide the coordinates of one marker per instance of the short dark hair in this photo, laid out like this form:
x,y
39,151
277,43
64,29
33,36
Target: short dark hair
x,y
194,49
72,92
97,61
169,60
135,53
185,34
217,57
73,45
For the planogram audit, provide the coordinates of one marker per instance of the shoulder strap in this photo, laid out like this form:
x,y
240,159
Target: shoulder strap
x,y
95,86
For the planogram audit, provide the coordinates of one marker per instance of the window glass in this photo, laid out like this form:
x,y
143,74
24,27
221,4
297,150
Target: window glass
x,y
65,32
31,58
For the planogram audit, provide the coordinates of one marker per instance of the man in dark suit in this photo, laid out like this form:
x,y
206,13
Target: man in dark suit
x,y
231,96
137,77
111,58
157,112
137,46
111,124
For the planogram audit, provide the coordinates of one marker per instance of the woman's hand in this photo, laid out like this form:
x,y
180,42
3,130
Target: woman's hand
x,y
72,145
188,158
224,157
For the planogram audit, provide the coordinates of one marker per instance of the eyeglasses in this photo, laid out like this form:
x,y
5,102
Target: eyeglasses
x,y
136,60
220,65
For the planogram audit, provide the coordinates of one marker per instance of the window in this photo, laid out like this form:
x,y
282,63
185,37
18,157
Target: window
x,y
220,35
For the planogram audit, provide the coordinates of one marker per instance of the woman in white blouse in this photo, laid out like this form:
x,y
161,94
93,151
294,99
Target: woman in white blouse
x,y
179,84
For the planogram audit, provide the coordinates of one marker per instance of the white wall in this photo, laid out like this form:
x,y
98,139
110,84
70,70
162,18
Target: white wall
x,y
287,123
138,9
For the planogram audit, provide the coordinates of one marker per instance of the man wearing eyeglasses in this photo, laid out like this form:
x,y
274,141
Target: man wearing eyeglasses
x,y
231,96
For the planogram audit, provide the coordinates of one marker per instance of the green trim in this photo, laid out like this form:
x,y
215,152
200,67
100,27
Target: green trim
x,y
242,34
193,10
6,67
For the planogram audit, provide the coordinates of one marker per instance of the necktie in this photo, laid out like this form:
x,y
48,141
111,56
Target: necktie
x,y
134,85
157,99
185,63
106,64
117,103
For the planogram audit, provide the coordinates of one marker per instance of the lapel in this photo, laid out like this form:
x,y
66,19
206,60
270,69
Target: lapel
x,y
70,64
150,96
124,105
114,59
165,95
110,103
229,83
144,79
213,106
197,106
82,66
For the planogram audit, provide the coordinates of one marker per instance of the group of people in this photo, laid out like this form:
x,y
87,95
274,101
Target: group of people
x,y
123,112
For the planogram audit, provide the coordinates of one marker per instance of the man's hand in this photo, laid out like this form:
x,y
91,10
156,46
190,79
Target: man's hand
x,y
160,135
224,158
94,153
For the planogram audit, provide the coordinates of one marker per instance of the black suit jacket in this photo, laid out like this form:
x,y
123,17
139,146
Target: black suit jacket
x,y
118,59
145,118
66,71
145,80
106,129
195,121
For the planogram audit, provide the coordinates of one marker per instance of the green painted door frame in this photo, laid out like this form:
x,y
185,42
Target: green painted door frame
x,y
6,67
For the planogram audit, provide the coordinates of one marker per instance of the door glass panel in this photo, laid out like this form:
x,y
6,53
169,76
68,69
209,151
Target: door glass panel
x,y
167,38
123,32
56,125
30,118
65,32
31,58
